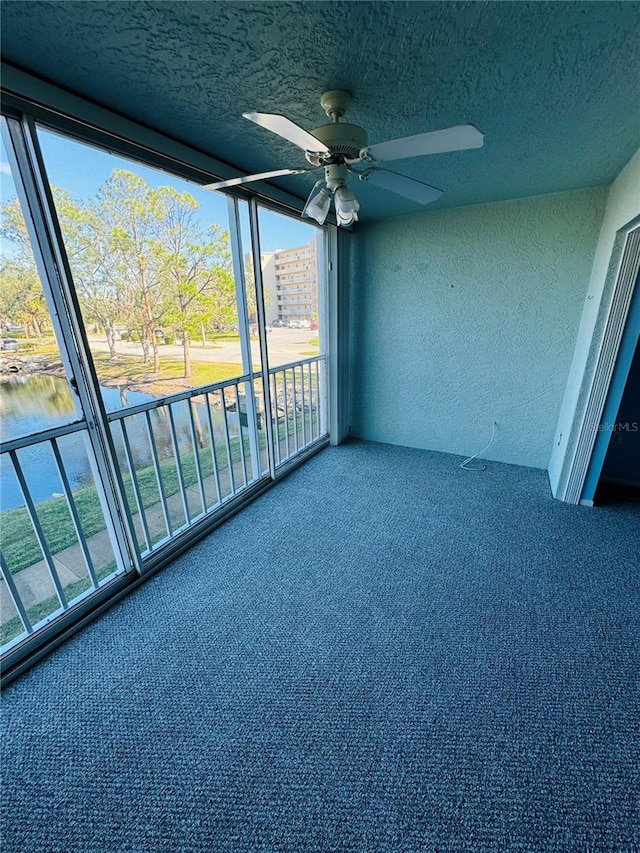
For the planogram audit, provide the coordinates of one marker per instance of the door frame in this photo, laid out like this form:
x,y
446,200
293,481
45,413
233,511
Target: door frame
x,y
606,388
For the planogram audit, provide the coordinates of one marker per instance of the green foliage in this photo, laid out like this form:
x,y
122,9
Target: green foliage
x,y
18,541
140,258
21,297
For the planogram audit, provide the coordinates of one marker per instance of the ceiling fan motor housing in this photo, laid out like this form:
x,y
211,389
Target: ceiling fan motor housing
x,y
342,139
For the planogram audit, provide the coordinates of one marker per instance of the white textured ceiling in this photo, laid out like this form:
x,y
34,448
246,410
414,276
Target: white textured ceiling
x,y
554,86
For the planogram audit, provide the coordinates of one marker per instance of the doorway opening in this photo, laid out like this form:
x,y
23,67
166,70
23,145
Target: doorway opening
x,y
620,477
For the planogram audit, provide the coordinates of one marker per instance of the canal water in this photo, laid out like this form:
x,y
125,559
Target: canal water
x,y
30,404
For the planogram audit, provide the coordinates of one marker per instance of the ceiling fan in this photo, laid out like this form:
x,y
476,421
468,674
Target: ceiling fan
x,y
339,148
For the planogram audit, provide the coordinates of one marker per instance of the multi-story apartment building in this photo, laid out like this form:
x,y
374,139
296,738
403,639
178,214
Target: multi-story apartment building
x,y
290,278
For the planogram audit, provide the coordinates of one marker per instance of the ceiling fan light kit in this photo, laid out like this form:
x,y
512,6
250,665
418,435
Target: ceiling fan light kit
x,y
337,147
318,203
333,187
346,205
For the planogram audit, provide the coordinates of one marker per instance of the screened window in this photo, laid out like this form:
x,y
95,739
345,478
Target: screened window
x,y
150,257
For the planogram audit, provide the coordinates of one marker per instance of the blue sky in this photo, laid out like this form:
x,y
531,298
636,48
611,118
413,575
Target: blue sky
x,y
81,170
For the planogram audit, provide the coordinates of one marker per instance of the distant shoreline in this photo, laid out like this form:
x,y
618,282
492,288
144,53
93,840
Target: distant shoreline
x,y
48,366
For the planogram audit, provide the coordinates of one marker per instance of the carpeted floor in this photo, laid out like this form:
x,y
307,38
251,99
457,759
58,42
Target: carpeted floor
x,y
382,654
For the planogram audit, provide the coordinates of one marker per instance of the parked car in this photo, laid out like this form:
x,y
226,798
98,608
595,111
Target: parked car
x,y
9,344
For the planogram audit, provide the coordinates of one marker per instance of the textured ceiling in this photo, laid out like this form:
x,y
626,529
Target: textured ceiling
x,y
554,86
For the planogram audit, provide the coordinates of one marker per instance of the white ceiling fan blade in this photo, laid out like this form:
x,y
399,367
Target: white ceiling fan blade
x,y
247,179
408,187
457,138
288,130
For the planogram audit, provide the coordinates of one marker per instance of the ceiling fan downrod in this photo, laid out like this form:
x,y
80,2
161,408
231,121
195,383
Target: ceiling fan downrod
x,y
335,103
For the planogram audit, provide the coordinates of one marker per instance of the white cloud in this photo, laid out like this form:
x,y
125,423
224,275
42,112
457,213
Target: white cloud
x,y
5,169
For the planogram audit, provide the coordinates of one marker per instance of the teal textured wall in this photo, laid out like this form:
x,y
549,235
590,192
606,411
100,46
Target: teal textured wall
x,y
465,317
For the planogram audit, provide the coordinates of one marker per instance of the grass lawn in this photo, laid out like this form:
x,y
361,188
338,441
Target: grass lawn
x,y
313,342
130,369
221,336
20,545
13,627
18,541
35,347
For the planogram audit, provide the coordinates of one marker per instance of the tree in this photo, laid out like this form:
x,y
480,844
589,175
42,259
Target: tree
x,y
126,209
137,255
195,271
21,298
92,255
91,252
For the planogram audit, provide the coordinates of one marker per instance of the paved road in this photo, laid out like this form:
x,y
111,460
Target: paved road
x,y
285,345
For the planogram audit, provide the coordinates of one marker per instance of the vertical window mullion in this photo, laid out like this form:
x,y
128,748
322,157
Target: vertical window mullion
x,y
245,337
262,332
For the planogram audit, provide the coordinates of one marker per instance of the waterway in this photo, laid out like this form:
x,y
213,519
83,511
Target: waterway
x,y
30,404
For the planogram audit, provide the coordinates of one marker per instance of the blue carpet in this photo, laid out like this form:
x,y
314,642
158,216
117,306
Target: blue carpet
x,y
384,653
